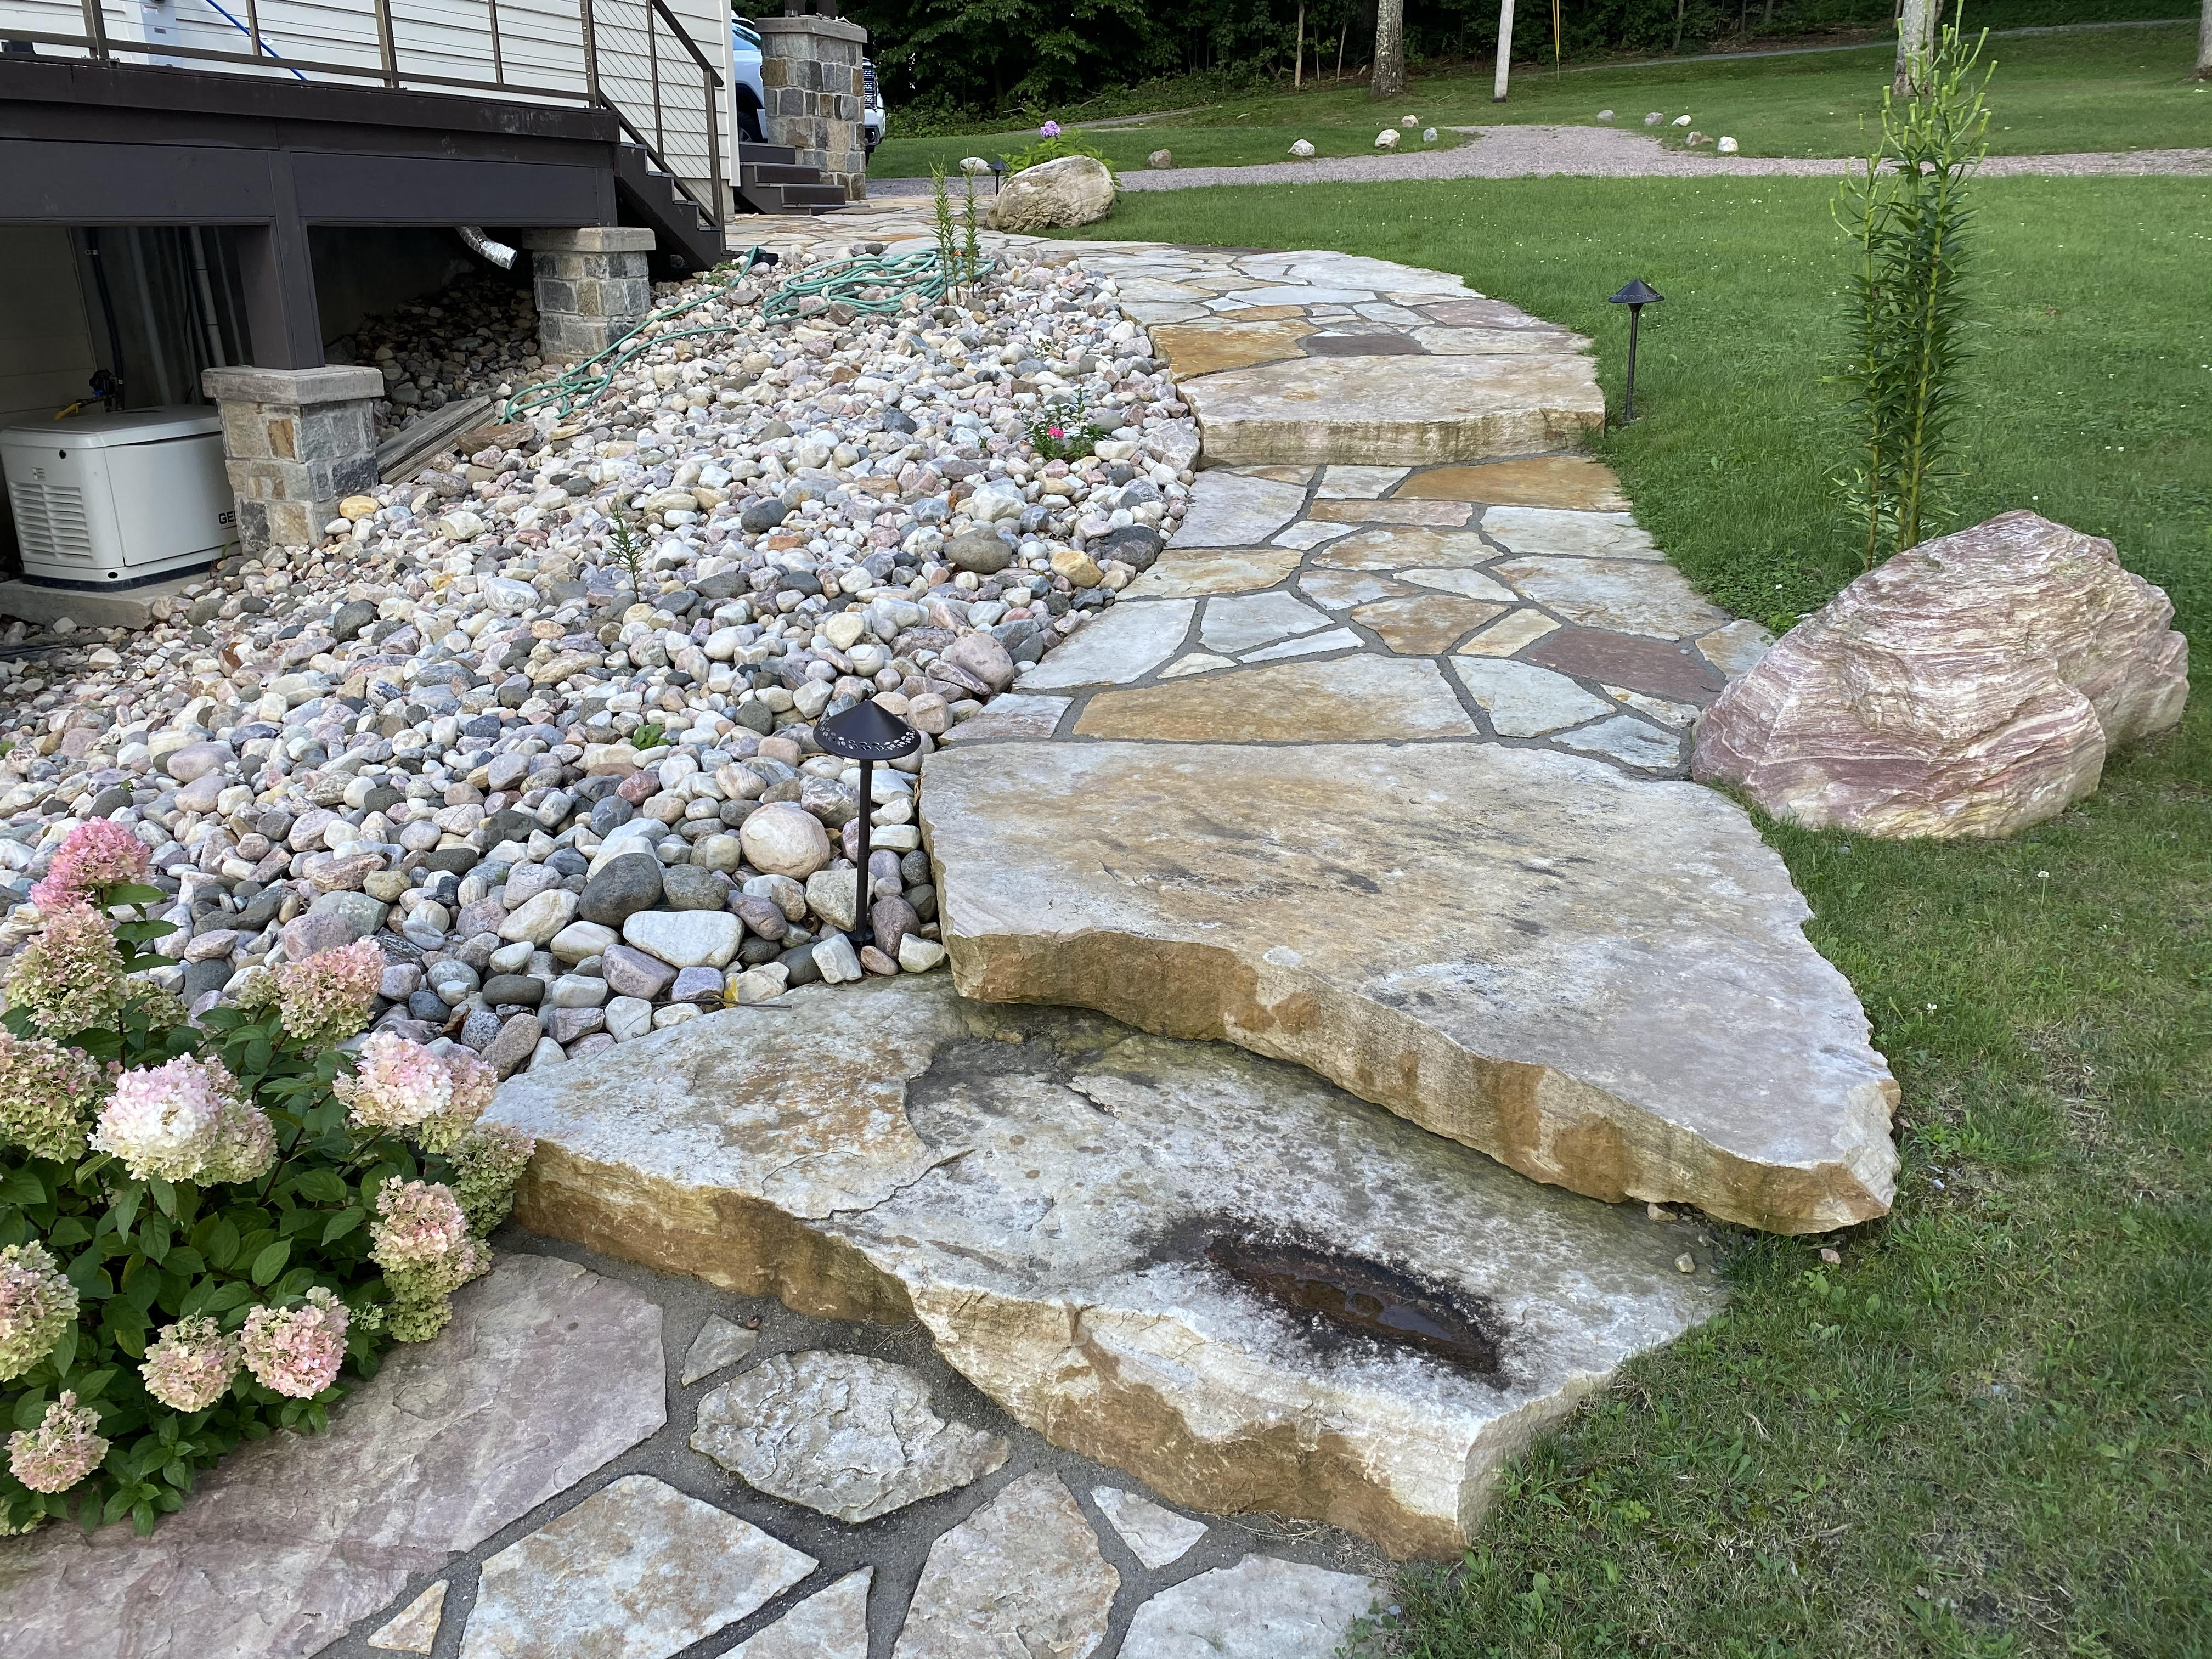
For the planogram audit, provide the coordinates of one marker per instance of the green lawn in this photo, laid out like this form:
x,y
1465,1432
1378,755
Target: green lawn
x,y
2096,90
1988,1430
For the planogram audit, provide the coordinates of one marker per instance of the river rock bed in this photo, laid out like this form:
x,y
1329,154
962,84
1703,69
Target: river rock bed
x,y
542,722
476,334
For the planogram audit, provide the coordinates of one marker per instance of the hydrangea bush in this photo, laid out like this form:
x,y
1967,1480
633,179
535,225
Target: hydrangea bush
x,y
209,1229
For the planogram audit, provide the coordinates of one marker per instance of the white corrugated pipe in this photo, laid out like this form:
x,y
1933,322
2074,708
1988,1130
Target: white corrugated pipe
x,y
484,248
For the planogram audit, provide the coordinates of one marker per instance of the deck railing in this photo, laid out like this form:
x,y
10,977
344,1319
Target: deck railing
x,y
636,58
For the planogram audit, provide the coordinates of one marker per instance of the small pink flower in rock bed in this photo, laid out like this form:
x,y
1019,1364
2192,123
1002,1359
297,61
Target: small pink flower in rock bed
x,y
190,1363
61,1451
37,1304
330,996
98,854
296,1351
418,1223
69,977
169,1120
47,1096
397,1084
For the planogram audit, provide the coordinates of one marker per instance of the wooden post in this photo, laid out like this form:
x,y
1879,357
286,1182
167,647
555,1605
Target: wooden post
x,y
1504,52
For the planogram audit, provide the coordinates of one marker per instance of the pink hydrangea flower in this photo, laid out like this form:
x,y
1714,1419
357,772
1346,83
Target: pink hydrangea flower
x,y
190,1363
396,1084
418,1223
474,1083
296,1351
330,996
69,977
99,854
244,1145
167,1120
1049,130
37,1304
61,1451
47,1096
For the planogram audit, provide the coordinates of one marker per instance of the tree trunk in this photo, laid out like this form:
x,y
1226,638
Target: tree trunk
x,y
1916,38
1389,50
1679,6
1505,50
1298,67
1345,28
2205,44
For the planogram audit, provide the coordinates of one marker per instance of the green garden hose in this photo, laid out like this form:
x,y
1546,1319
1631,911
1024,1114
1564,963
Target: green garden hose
x,y
874,284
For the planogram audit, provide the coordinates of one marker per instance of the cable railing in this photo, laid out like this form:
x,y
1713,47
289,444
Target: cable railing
x,y
636,58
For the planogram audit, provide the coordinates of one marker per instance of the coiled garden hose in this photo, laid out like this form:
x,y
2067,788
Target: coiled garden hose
x,y
873,284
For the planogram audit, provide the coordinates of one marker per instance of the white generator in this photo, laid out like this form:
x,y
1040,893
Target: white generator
x,y
118,501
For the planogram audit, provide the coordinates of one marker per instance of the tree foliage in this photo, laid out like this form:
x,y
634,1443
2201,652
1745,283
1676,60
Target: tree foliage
x,y
937,57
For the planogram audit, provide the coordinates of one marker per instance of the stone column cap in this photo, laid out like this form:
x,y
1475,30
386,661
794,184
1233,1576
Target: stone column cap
x,y
834,29
334,383
589,239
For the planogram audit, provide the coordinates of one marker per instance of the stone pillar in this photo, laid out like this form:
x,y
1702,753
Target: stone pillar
x,y
591,288
810,71
296,442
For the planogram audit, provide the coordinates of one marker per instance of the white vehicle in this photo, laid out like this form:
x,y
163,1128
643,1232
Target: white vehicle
x,y
871,106
747,96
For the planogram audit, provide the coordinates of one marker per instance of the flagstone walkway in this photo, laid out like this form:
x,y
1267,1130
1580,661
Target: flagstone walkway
x,y
1377,769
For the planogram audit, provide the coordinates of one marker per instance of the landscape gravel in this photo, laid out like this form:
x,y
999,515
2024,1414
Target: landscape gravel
x,y
542,722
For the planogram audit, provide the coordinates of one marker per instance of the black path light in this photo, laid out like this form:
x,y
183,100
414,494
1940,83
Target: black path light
x,y
866,733
1637,295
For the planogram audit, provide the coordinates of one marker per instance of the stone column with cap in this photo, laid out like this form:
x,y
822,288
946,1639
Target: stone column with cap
x,y
591,288
296,442
811,72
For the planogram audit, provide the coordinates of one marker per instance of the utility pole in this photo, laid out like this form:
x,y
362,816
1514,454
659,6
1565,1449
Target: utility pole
x,y
1505,49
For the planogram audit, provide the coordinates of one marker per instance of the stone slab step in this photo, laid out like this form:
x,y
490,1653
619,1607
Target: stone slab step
x,y
1395,411
1217,1272
1601,982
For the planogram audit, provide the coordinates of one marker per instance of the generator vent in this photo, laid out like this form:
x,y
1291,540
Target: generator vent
x,y
49,520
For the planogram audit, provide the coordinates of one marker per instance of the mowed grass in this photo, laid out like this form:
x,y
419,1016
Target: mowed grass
x,y
2101,89
1986,1432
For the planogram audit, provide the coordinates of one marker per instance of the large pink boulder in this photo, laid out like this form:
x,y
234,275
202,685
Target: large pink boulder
x,y
1970,686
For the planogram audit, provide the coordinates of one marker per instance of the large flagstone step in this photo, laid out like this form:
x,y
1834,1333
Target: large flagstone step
x,y
1217,1273
1602,980
1311,357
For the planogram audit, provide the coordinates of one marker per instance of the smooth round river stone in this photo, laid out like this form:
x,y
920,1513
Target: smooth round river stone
x,y
686,939
979,550
785,839
687,887
624,886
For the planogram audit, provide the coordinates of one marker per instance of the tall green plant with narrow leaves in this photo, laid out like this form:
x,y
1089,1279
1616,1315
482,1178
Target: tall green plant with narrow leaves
x,y
1909,217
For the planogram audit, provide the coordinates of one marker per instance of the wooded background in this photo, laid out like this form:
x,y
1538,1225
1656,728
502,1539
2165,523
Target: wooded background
x,y
942,60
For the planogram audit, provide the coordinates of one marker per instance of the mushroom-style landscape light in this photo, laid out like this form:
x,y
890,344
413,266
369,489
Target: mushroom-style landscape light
x,y
1637,295
866,733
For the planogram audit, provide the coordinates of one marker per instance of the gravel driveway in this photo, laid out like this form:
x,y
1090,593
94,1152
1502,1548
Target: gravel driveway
x,y
1522,152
